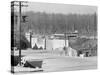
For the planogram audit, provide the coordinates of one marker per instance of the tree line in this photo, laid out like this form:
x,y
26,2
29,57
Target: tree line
x,y
43,23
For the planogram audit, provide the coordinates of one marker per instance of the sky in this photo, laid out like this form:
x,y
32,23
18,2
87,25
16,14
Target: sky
x,y
59,8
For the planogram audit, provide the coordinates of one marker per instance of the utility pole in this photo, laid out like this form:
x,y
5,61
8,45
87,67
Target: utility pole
x,y
45,42
65,48
65,40
19,23
30,39
19,33
31,33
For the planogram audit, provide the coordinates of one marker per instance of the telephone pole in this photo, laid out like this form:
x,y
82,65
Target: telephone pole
x,y
65,40
20,5
31,33
65,48
45,43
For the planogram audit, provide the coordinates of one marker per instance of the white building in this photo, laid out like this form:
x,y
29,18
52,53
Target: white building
x,y
55,43
51,44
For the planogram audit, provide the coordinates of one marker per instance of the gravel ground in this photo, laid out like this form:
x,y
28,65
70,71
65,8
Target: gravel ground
x,y
69,63
62,64
56,62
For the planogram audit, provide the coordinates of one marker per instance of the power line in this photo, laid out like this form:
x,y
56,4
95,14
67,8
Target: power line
x,y
20,5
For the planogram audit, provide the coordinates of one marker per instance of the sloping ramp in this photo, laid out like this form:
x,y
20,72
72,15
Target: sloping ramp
x,y
33,64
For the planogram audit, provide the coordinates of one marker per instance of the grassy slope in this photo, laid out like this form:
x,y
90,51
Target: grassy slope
x,y
83,43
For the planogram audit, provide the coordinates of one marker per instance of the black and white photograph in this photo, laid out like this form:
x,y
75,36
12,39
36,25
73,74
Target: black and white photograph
x,y
53,37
